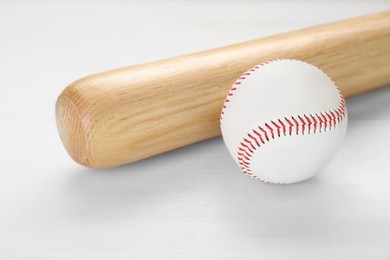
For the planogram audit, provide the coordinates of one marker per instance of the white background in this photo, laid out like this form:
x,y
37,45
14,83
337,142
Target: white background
x,y
192,203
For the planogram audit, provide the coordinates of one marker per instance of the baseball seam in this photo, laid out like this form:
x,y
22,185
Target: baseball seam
x,y
298,125
238,82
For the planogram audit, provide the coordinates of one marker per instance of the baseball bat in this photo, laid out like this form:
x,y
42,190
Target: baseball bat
x,y
124,115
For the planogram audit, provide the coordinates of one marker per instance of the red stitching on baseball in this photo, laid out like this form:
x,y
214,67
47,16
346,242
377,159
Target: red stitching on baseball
x,y
238,82
322,123
277,127
271,130
283,126
259,135
303,124
309,123
296,124
290,126
265,133
319,122
254,138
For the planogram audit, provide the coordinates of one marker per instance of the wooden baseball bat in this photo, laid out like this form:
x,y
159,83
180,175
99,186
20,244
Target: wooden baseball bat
x,y
124,115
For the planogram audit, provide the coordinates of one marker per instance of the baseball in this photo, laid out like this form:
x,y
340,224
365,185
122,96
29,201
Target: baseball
x,y
283,121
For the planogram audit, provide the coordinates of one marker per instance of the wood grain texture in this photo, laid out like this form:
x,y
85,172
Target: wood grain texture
x,y
120,116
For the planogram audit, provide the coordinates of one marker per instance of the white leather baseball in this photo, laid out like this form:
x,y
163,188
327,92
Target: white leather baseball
x,y
283,121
